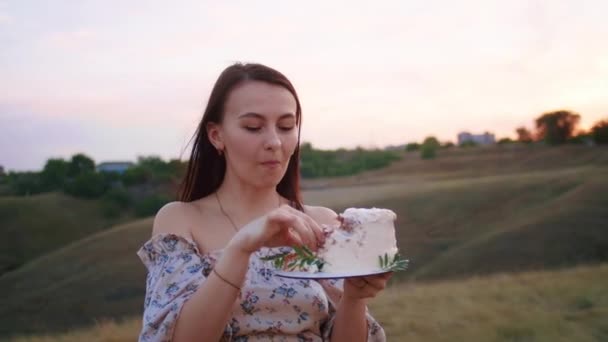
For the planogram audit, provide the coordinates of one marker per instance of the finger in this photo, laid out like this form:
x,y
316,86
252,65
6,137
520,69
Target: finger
x,y
368,292
381,278
304,232
297,234
293,238
358,282
312,225
354,282
327,229
377,283
316,229
361,288
281,218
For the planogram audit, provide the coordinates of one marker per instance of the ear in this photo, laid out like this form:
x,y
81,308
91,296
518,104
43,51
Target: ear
x,y
214,132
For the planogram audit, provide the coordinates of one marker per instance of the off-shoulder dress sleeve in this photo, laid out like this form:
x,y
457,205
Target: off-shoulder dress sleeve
x,y
334,290
175,270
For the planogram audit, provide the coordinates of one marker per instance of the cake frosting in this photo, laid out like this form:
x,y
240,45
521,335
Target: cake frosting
x,y
363,236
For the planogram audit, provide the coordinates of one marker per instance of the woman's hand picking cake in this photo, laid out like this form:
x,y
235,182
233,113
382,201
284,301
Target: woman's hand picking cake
x,y
364,242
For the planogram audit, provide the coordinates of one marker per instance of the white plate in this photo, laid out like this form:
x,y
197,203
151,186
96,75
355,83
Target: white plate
x,y
326,275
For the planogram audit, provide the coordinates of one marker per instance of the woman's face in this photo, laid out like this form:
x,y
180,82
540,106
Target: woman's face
x,y
258,132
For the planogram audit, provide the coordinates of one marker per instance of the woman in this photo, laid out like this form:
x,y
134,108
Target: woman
x,y
241,201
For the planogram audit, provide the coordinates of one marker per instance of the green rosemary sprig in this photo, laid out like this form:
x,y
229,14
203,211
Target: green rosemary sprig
x,y
396,264
278,260
301,257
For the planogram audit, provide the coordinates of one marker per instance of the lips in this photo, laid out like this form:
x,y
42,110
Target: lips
x,y
271,162
271,165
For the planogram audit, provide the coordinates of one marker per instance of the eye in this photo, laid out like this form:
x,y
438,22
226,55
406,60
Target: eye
x,y
252,129
283,128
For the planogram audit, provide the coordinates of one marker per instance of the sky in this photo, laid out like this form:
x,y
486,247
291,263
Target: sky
x,y
121,79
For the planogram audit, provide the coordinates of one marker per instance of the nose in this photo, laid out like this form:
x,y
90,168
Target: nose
x,y
272,140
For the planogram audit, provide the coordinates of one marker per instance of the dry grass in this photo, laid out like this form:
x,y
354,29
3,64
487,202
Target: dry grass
x,y
567,305
104,331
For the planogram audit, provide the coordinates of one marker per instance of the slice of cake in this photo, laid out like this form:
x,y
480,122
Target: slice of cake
x,y
364,242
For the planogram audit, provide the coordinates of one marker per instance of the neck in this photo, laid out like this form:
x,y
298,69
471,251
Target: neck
x,y
244,202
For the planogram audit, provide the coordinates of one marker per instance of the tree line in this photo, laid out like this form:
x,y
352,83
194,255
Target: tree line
x,y
551,128
151,182
135,187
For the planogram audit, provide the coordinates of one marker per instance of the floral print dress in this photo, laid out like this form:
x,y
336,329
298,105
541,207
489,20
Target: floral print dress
x,y
268,308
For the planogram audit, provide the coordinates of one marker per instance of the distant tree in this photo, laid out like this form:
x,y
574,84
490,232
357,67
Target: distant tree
x,y
599,132
3,177
431,141
25,183
524,135
469,143
557,127
429,148
87,185
114,202
581,137
54,173
80,164
136,175
412,147
150,205
305,146
505,141
177,167
342,162
157,170
448,144
428,152
154,163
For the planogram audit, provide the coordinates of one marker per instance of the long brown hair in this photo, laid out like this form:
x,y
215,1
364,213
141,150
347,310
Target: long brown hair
x,y
206,168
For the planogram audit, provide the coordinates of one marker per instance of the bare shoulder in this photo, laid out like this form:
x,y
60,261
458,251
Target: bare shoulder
x,y
321,215
174,218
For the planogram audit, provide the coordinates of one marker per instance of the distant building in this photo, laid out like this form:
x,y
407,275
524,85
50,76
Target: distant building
x,y
119,167
480,139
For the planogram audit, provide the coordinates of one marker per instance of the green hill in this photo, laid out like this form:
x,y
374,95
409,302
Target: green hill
x,y
457,163
503,223
99,276
452,224
32,226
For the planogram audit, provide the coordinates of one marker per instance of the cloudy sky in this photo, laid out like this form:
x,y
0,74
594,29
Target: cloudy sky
x,y
118,79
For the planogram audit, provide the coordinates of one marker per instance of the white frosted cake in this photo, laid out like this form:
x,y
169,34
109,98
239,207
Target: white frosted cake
x,y
365,234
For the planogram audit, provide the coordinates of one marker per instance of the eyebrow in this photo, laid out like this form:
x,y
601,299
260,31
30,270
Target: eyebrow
x,y
260,116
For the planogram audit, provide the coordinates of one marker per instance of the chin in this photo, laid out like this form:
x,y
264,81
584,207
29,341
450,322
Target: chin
x,y
269,180
266,184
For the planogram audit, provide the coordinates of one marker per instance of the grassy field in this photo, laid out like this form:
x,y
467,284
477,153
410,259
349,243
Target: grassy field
x,y
568,305
26,221
474,162
453,224
35,225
